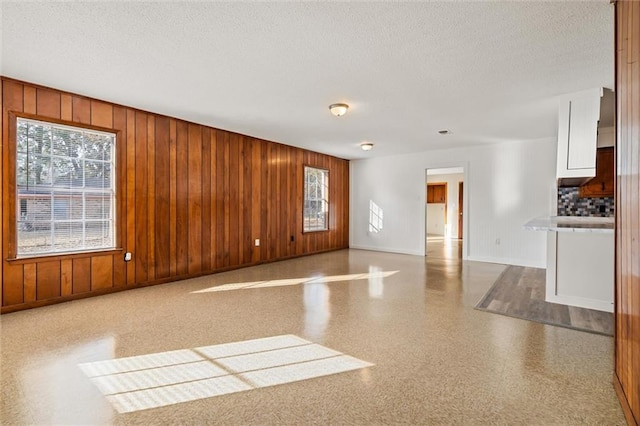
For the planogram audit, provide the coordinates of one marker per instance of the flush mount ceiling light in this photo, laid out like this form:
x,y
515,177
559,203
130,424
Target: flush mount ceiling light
x,y
366,146
338,109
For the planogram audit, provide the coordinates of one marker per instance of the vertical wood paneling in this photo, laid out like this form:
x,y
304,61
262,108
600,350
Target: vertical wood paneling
x,y
2,145
101,114
130,195
12,275
226,172
66,107
195,199
30,100
151,197
101,272
66,277
256,218
212,193
48,103
81,275
220,217
246,208
191,200
141,199
627,307
120,124
162,189
232,189
48,280
206,199
182,198
173,261
241,195
81,110
12,284
264,200
30,277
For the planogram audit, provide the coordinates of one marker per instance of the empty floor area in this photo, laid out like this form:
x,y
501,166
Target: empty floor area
x,y
344,337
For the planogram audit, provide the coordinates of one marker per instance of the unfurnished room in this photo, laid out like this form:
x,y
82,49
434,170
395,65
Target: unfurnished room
x,y
284,213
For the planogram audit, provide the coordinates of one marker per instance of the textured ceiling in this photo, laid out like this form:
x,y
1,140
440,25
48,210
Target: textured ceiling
x,y
487,71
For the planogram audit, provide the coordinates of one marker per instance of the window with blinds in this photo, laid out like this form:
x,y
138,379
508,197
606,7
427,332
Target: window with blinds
x,y
316,199
65,188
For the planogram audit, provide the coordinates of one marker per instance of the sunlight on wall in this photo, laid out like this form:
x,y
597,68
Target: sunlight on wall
x,y
376,217
296,281
167,378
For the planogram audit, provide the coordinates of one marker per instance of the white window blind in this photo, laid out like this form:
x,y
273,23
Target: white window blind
x,y
65,188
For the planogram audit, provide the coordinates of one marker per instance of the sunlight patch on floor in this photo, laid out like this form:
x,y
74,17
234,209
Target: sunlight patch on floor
x,y
297,281
156,380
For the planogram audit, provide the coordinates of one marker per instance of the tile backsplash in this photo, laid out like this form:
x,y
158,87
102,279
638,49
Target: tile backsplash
x,y
569,204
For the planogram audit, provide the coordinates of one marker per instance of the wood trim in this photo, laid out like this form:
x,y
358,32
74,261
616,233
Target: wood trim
x,y
626,409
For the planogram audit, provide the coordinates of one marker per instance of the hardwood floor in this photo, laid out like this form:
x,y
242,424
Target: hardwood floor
x,y
519,292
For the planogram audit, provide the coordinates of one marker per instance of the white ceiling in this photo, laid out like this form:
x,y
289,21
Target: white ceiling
x,y
487,71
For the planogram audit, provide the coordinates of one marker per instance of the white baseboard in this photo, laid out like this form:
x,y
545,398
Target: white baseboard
x,y
386,250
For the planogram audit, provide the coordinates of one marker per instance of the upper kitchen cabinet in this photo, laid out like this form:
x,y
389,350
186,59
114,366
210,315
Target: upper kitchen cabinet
x,y
602,184
436,193
578,136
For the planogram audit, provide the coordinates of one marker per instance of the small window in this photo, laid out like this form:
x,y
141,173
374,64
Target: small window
x,y
65,188
316,199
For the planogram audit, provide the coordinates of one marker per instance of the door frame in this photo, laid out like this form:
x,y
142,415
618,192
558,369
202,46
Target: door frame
x,y
461,211
466,207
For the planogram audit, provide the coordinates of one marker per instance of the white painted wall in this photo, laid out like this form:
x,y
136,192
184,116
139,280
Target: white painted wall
x,y
506,185
452,180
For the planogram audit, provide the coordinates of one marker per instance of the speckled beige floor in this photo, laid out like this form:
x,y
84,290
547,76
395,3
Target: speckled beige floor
x,y
436,359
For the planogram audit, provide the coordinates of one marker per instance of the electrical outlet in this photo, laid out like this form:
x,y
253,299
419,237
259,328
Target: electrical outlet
x,y
257,242
127,257
497,241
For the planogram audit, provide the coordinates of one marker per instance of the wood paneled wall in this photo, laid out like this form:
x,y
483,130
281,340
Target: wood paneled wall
x,y
192,200
627,312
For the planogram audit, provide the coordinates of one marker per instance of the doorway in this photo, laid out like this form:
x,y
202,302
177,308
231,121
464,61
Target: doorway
x,y
444,212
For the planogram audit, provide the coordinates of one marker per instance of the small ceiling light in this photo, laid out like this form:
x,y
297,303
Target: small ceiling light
x,y
444,132
366,146
338,109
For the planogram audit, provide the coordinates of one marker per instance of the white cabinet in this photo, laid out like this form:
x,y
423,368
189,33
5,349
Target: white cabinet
x,y
580,260
580,269
578,135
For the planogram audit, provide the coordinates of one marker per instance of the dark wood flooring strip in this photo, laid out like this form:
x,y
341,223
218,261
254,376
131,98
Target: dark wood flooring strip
x,y
519,292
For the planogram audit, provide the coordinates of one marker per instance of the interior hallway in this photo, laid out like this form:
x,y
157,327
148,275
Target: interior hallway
x,y
435,359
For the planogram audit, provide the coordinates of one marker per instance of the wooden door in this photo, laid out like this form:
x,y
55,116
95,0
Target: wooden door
x,y
460,209
627,299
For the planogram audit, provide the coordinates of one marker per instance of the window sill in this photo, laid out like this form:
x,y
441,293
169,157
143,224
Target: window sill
x,y
59,256
313,231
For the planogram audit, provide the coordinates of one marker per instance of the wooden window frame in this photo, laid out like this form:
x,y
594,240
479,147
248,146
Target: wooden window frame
x,y
304,199
12,195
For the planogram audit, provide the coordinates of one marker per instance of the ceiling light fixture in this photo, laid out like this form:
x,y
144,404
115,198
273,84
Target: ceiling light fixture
x,y
366,146
338,109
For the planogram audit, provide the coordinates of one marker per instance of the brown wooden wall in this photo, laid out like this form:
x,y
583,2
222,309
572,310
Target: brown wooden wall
x,y
192,200
627,313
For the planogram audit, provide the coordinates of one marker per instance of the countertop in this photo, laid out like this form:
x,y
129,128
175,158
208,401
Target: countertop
x,y
571,224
